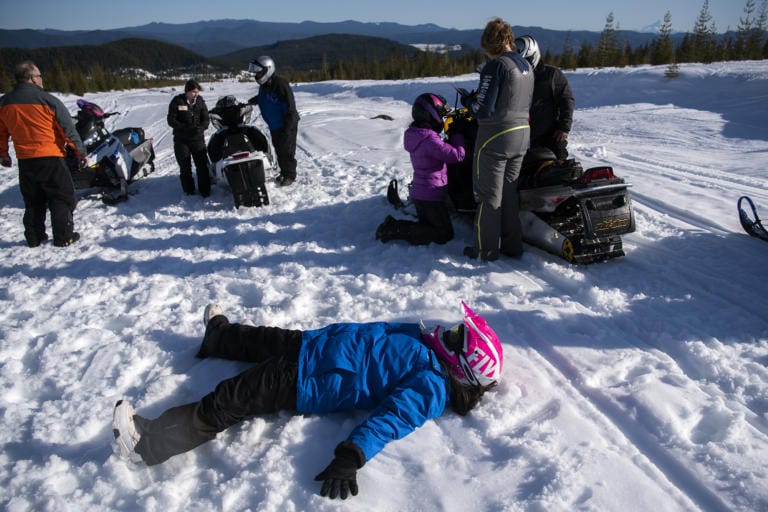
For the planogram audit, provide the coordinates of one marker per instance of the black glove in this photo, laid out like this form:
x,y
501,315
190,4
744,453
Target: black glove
x,y
340,477
468,99
254,100
459,125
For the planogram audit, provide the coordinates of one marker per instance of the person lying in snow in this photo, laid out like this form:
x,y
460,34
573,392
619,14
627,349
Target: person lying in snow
x,y
403,373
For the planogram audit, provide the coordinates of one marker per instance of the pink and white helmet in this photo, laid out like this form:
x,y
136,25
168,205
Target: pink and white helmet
x,y
476,357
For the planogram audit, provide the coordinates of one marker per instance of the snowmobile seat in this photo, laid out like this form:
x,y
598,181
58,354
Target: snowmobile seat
x,y
239,139
130,137
544,173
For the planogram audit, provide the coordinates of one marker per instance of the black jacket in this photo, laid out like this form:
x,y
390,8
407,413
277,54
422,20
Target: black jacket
x,y
552,105
188,121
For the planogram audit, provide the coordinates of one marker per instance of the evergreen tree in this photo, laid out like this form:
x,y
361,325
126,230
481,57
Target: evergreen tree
x,y
743,32
584,58
704,41
663,50
6,78
568,58
78,84
756,37
56,79
686,51
624,56
608,44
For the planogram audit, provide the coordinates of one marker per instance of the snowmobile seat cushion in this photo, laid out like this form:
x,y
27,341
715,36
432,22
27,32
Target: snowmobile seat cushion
x,y
130,137
551,172
540,153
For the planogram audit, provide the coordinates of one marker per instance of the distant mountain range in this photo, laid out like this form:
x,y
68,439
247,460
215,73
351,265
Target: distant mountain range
x,y
222,37
158,57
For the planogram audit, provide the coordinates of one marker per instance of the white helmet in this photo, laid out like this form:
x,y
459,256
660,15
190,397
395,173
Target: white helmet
x,y
529,49
263,68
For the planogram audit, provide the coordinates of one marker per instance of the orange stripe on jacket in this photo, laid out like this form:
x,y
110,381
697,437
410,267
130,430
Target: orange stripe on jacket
x,y
34,130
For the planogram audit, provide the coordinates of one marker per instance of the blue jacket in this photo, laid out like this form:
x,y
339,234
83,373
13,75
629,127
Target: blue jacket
x,y
381,367
277,104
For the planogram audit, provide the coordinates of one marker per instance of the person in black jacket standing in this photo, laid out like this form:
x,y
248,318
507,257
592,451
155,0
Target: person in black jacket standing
x,y
188,116
278,108
552,105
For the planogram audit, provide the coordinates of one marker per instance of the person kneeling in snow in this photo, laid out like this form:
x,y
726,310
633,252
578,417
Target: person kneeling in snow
x,y
404,373
429,156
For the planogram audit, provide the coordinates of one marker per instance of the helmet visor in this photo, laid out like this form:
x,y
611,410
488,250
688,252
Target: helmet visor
x,y
257,69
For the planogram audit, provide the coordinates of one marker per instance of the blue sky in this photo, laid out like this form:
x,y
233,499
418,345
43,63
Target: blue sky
x,y
557,14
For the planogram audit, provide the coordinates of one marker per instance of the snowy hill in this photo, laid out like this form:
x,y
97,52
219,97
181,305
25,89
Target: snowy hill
x,y
635,384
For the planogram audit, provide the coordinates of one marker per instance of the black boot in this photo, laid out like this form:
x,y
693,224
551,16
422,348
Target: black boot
x,y
386,229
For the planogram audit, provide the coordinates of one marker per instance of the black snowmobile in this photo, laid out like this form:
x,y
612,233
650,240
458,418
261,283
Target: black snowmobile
x,y
114,159
240,152
577,214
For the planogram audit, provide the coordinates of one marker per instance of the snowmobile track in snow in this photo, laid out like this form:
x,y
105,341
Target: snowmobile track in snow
x,y
685,480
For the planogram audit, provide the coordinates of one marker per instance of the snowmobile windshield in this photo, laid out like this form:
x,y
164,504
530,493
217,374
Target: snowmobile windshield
x,y
89,109
91,131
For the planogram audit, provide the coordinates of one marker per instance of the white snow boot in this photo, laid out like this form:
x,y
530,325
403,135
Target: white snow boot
x,y
211,310
124,429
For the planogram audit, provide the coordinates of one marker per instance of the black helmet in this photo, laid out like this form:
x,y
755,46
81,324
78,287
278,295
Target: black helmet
x,y
226,101
428,111
229,112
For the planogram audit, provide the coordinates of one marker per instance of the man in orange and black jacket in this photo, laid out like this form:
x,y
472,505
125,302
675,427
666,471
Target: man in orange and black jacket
x,y
41,127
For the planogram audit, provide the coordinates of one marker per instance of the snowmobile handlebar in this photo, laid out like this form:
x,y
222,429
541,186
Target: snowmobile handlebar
x,y
84,115
458,120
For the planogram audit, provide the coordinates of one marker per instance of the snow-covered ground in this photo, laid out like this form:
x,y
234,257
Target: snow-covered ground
x,y
635,384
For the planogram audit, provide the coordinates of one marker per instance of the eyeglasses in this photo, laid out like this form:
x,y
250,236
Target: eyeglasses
x,y
37,76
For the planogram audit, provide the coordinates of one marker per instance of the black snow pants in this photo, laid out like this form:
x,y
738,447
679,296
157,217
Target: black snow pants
x,y
186,151
284,141
267,387
434,225
46,184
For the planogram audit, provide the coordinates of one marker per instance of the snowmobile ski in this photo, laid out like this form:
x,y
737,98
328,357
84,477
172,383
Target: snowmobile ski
x,y
750,221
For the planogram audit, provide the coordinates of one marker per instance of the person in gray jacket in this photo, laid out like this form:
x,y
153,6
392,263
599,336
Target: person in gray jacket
x,y
501,106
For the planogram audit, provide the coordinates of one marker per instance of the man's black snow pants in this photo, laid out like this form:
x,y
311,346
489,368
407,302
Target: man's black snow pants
x,y
284,141
46,184
269,386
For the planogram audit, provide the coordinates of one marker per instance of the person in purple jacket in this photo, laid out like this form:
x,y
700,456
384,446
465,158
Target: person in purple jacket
x,y
403,374
429,156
